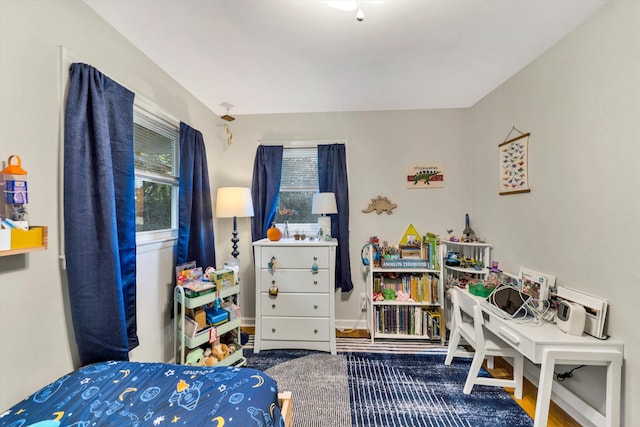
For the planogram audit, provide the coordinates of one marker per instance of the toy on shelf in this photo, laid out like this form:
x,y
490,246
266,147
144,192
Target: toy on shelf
x,y
468,235
15,195
403,296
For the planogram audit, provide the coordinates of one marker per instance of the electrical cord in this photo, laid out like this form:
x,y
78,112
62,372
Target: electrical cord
x,y
568,374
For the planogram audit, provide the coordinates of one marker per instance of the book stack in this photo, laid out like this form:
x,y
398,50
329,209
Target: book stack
x,y
407,320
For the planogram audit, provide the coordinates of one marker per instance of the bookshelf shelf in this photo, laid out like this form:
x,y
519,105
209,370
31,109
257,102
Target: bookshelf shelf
x,y
418,319
405,303
476,251
36,240
404,270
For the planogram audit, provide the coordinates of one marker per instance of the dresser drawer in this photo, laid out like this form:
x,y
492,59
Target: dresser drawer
x,y
295,329
295,257
295,280
299,305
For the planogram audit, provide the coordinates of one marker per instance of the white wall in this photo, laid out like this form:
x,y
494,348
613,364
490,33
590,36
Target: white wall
x,y
380,146
36,337
581,102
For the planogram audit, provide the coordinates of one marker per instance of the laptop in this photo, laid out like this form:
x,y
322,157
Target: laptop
x,y
507,302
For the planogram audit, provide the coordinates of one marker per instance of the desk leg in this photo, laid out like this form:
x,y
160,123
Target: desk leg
x,y
614,383
611,358
543,399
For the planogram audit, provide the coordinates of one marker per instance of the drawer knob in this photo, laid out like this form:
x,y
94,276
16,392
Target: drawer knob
x,y
273,330
315,282
315,331
273,306
315,307
272,264
273,290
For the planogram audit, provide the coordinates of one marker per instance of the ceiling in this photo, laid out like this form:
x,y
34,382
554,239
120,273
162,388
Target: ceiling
x,y
288,56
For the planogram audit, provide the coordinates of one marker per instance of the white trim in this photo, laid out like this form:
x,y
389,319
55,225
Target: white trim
x,y
66,59
156,177
146,106
155,245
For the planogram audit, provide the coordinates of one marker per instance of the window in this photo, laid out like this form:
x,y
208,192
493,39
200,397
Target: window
x,y
298,184
156,142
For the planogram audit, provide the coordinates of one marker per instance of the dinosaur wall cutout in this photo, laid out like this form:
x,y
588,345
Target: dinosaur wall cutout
x,y
380,204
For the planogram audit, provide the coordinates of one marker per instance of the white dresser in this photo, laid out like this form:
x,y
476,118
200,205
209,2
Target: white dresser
x,y
300,311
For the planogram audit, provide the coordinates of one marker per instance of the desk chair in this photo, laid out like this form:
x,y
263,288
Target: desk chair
x,y
468,324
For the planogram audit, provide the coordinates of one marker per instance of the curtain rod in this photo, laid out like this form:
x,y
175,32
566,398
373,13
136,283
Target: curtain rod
x,y
301,143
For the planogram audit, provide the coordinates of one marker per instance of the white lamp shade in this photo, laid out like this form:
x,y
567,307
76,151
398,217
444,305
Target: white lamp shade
x,y
233,201
324,203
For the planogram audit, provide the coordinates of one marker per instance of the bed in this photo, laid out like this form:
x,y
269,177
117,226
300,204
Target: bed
x,y
154,394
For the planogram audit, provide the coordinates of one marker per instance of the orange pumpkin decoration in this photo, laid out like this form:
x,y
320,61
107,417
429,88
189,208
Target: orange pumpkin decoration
x,y
273,233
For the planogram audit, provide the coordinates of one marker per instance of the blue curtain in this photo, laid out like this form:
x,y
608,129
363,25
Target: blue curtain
x,y
195,228
267,170
99,215
332,177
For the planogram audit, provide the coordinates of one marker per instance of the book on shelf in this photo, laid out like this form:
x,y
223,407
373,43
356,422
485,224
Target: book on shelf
x,y
404,263
407,320
421,287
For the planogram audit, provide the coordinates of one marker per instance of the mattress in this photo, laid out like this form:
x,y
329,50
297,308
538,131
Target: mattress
x,y
151,394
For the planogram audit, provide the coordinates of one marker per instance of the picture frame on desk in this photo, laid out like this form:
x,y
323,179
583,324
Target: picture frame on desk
x,y
536,284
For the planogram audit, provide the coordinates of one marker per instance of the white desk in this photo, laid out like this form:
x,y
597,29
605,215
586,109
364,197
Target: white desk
x,y
547,345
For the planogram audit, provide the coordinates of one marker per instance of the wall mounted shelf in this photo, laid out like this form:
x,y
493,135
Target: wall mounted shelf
x,y
37,247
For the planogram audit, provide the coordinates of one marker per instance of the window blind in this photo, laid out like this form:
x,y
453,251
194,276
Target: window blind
x,y
155,145
299,169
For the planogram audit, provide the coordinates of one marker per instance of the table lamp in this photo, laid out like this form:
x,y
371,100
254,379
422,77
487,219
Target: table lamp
x,y
234,202
324,204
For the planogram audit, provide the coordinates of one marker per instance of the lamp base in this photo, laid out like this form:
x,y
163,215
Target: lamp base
x,y
235,238
324,224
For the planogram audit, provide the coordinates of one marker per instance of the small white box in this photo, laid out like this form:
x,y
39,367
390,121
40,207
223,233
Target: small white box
x,y
5,239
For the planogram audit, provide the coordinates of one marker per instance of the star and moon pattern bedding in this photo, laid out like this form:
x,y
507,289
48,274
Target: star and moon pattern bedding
x,y
151,394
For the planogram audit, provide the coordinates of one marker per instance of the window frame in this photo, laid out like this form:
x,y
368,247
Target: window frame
x,y
150,111
310,229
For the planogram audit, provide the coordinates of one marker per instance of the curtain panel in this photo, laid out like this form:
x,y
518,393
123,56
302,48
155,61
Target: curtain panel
x,y
265,188
99,215
195,227
332,177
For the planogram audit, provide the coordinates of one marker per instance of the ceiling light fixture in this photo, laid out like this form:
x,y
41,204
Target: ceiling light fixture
x,y
227,118
344,5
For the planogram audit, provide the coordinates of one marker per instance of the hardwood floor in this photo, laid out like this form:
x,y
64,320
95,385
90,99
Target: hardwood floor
x,y
557,417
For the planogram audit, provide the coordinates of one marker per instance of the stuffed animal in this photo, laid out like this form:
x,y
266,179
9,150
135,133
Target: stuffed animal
x,y
208,358
389,294
220,351
194,357
403,296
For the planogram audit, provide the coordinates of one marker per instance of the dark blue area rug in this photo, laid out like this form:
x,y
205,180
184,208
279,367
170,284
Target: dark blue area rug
x,y
386,390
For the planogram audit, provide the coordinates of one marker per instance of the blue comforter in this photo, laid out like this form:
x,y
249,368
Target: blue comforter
x,y
151,394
